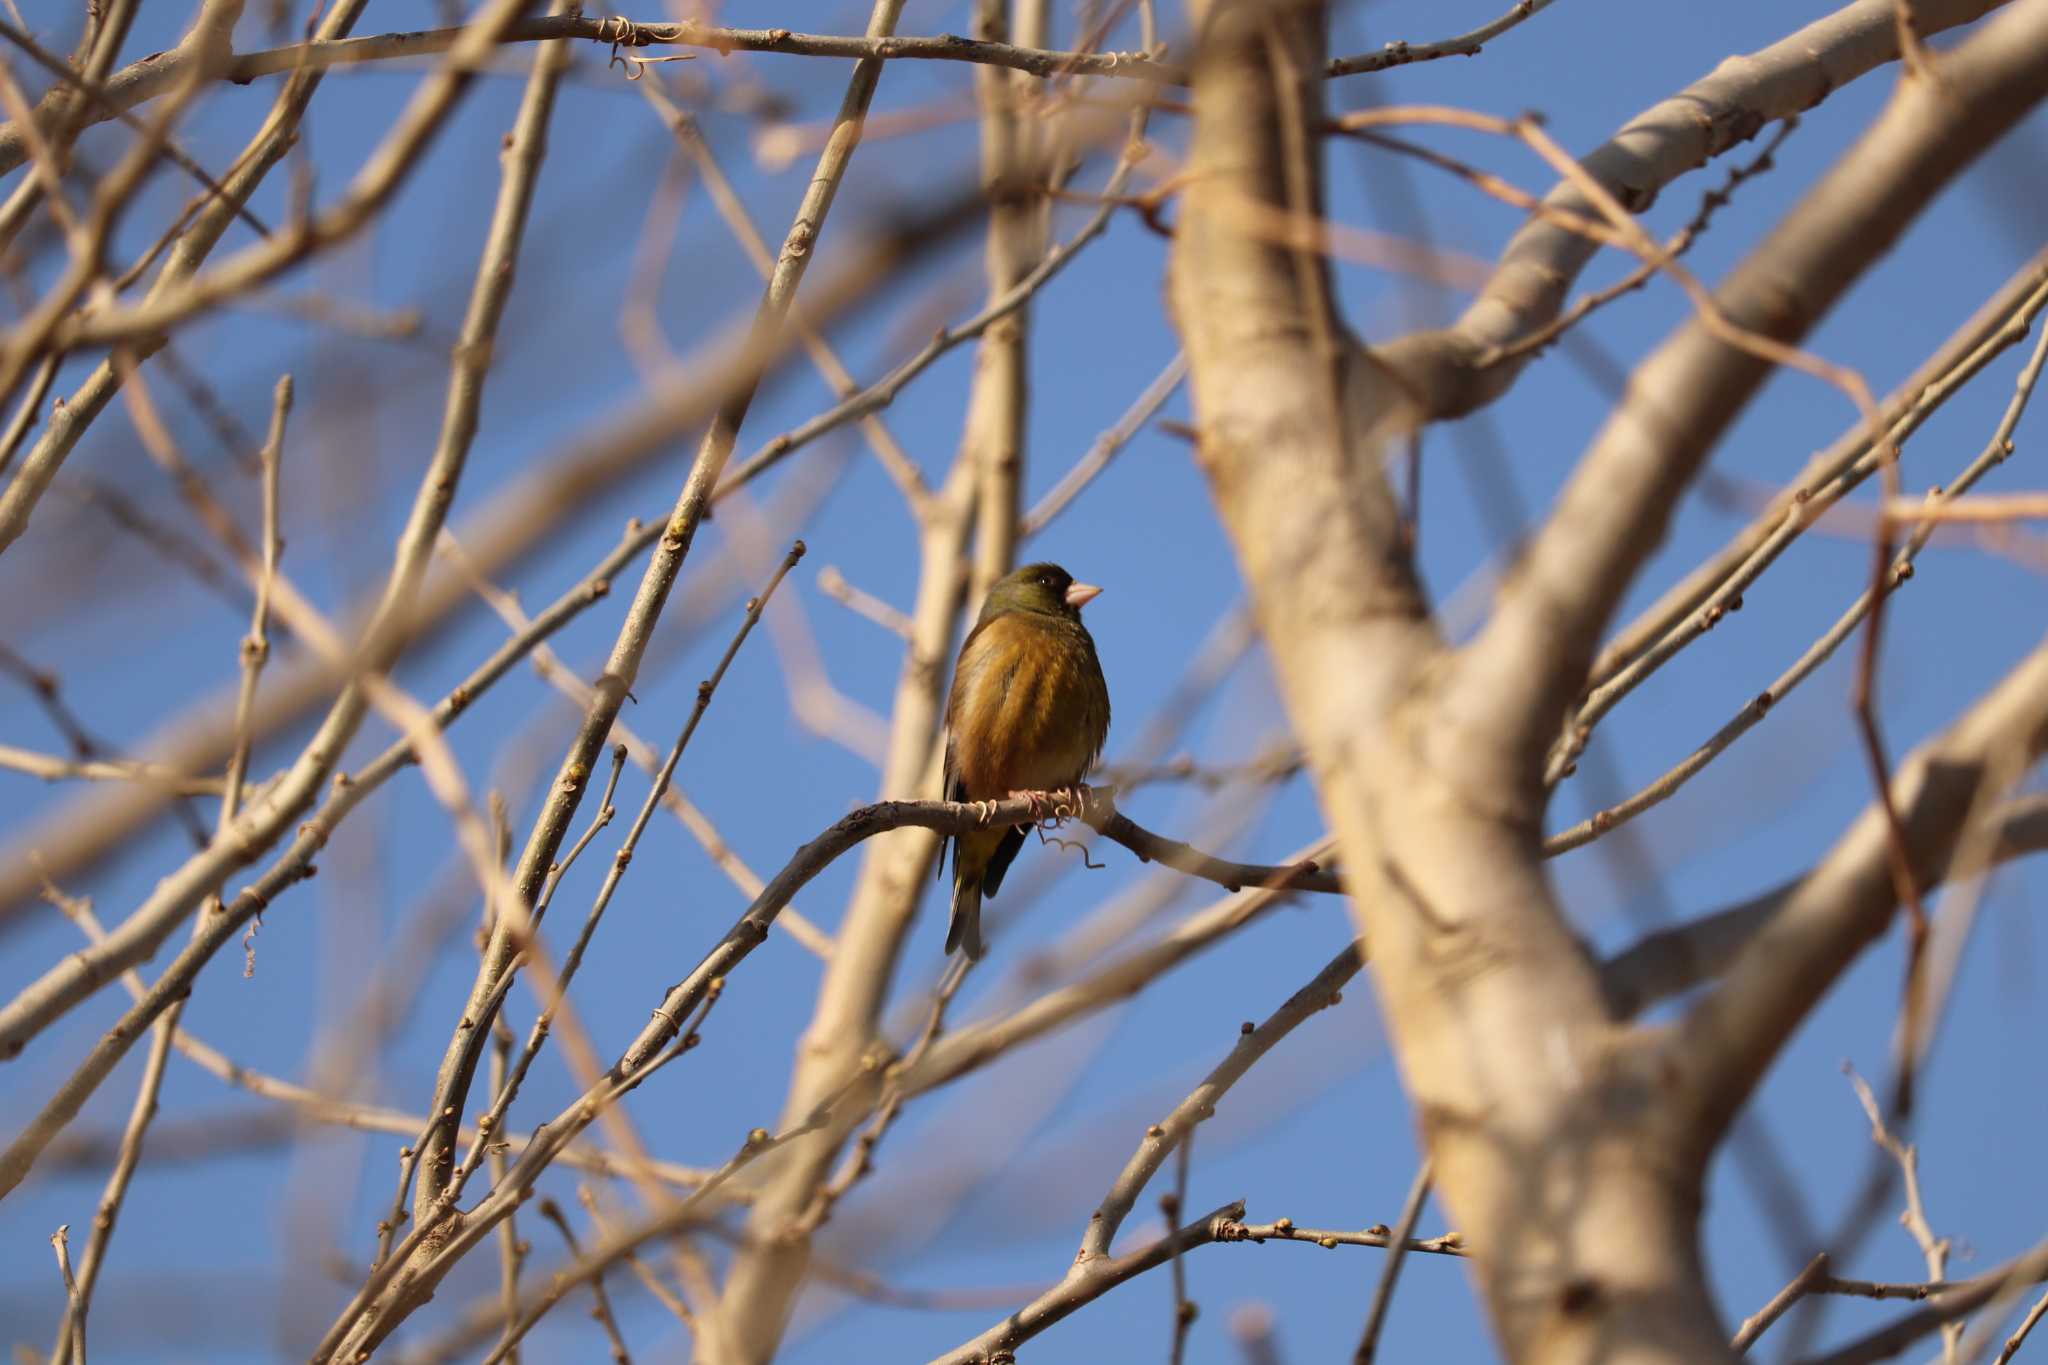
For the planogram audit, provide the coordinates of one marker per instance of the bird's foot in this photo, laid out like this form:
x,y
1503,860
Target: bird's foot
x,y
984,811
1044,805
1057,805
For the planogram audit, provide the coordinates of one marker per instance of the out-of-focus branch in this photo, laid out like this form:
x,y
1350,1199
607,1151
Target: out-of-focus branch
x,y
371,189
1998,324
73,415
1451,372
1730,1038
1612,514
1399,1241
1729,594
84,405
295,865
949,1056
54,769
1673,961
1955,1302
507,1089
883,391
824,358
303,1105
564,680
973,522
1106,446
28,193
253,832
768,329
86,234
520,518
255,648
976,1045
997,429
1898,573
65,112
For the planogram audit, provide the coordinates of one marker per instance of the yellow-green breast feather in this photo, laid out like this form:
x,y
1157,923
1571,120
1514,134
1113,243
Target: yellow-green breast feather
x,y
1029,709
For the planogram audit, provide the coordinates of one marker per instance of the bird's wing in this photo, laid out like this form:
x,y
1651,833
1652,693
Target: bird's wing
x,y
950,786
1098,720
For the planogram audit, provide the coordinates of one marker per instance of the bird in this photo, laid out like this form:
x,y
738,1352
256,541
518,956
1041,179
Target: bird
x,y
1028,712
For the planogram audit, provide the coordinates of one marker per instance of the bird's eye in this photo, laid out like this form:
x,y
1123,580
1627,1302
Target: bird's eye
x,y
1046,580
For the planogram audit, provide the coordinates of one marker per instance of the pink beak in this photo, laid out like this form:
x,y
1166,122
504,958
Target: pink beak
x,y
1080,595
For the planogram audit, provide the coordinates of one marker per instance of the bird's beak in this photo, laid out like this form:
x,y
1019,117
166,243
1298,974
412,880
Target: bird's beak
x,y
1080,595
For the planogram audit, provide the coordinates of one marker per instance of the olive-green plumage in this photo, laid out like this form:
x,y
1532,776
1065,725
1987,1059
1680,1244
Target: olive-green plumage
x,y
1029,712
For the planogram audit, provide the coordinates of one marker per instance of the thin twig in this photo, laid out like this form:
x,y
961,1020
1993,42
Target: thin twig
x,y
505,1093
295,865
55,769
1106,447
188,245
1171,1204
732,208
60,1240
693,500
602,1305
1986,1294
675,1218
1390,1273
313,1106
256,645
883,392
1083,1286
861,1160
2020,1333
1161,1139
1914,1219
1378,1235
834,585
1464,45
667,1297
1801,1285
564,680
1900,570
372,188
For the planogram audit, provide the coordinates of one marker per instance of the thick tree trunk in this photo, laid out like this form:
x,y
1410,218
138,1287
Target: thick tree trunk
x,y
1539,1111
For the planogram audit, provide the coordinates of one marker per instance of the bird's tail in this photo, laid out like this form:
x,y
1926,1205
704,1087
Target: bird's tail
x,y
964,931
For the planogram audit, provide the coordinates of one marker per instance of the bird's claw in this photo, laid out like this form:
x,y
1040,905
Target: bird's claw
x,y
984,811
1034,801
1055,806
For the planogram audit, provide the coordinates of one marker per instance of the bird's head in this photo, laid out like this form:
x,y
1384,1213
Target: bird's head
x,y
1043,588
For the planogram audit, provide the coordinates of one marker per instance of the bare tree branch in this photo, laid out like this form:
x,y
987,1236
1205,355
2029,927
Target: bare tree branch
x,y
458,1063
84,405
1956,1302
104,963
1083,1286
1730,1038
1612,514
107,95
1455,370
1672,961
1162,1138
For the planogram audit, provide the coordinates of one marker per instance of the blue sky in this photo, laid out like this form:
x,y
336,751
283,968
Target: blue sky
x,y
988,1185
